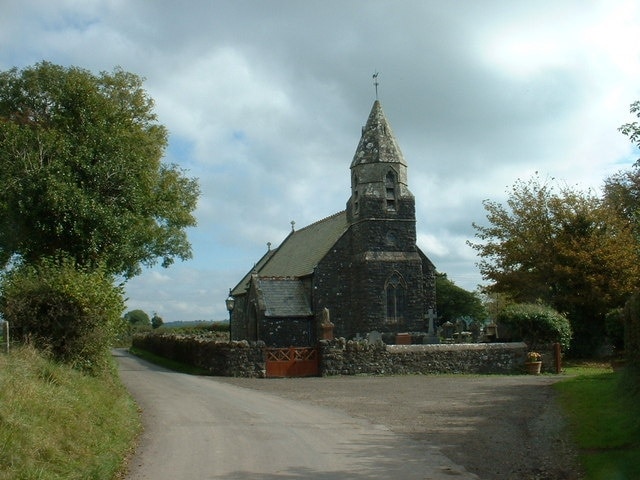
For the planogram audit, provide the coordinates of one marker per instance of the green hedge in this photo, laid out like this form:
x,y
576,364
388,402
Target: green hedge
x,y
536,325
74,314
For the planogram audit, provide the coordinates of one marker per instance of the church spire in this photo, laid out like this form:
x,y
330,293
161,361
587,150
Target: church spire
x,y
377,143
379,174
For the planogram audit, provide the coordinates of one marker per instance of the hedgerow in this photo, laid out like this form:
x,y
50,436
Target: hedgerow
x,y
536,324
71,312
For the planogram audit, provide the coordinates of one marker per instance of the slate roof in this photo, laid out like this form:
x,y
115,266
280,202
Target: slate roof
x,y
283,297
244,283
300,252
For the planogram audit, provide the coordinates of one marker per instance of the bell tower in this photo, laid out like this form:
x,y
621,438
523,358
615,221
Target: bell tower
x,y
379,191
386,265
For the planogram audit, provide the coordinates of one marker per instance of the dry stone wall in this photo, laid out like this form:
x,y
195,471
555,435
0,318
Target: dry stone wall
x,y
340,357
224,359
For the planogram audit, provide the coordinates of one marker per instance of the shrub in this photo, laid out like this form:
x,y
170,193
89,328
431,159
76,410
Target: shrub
x,y
72,312
536,324
614,326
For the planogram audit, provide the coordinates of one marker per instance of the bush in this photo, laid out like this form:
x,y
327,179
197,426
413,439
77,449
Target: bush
x,y
536,324
73,313
614,326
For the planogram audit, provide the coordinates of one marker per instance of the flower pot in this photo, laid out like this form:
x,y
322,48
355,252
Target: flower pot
x,y
533,368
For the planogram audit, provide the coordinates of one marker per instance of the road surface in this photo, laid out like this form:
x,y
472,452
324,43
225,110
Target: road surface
x,y
198,428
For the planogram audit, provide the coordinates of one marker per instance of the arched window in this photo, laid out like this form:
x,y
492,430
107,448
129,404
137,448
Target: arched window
x,y
396,294
390,191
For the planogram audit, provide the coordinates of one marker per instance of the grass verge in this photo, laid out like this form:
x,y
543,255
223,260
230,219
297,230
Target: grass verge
x,y
167,363
604,419
59,423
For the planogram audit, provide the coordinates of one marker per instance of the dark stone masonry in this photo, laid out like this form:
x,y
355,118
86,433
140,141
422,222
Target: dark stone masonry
x,y
223,359
340,356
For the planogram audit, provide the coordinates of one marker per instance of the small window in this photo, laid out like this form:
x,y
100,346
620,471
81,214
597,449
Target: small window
x,y
390,191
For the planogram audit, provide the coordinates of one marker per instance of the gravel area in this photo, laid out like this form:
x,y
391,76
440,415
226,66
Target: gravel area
x,y
498,427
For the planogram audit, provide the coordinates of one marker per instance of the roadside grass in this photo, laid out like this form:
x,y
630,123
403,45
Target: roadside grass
x,y
167,363
59,423
604,419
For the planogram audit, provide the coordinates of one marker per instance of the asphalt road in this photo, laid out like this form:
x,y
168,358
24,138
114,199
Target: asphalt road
x,y
199,428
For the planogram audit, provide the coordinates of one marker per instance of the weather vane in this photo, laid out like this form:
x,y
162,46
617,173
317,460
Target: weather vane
x,y
375,83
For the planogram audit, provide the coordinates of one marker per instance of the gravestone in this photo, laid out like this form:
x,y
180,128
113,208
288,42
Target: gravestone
x,y
447,331
374,338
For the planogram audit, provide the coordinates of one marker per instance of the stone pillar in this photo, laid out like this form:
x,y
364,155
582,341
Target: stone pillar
x,y
326,326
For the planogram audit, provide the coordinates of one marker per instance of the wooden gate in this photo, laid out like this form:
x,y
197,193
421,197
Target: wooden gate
x,y
292,362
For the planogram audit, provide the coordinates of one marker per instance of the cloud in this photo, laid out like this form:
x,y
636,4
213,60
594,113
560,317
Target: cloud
x,y
264,103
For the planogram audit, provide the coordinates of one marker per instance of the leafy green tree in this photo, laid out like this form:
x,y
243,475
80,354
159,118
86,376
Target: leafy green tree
x,y
137,318
565,248
622,190
81,172
156,321
72,312
632,129
454,302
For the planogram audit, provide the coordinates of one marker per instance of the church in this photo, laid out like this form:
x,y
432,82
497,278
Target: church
x,y
360,268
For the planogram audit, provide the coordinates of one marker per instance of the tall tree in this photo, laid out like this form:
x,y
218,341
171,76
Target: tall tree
x,y
622,190
139,318
81,172
564,248
454,302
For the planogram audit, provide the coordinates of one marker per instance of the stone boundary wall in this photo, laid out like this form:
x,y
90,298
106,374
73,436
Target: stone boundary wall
x,y
224,359
340,357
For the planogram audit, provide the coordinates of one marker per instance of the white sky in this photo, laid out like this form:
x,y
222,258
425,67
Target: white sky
x,y
264,101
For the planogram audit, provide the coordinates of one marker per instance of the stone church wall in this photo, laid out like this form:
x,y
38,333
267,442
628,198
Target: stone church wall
x,y
287,332
332,288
